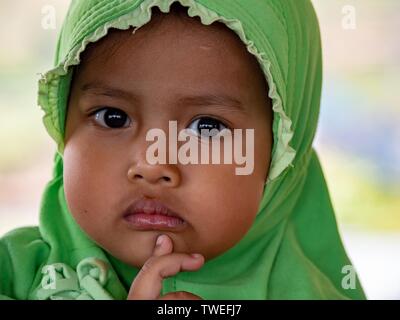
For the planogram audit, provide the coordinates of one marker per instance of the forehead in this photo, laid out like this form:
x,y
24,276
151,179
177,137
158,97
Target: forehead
x,y
172,50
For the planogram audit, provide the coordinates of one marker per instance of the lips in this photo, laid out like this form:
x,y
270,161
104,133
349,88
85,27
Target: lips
x,y
147,214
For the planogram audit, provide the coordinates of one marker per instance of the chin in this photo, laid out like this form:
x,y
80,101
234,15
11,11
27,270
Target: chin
x,y
135,261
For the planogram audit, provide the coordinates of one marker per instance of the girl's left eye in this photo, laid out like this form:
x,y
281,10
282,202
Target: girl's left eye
x,y
207,126
112,118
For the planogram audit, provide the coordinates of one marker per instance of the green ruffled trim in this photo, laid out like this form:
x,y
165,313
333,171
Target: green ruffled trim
x,y
283,154
61,282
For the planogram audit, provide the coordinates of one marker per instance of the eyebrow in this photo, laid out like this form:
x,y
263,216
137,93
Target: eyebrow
x,y
221,101
105,90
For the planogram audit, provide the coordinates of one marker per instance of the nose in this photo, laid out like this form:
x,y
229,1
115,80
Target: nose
x,y
164,174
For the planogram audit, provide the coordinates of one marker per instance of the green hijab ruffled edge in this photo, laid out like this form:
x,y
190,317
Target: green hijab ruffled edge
x,y
292,251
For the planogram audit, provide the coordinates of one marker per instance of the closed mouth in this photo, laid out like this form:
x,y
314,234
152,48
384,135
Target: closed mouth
x,y
148,214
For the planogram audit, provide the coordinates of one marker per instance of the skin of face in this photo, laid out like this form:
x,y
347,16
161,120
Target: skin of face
x,y
154,67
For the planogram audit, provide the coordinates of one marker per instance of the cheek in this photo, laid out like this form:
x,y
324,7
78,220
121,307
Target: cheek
x,y
77,184
87,178
225,205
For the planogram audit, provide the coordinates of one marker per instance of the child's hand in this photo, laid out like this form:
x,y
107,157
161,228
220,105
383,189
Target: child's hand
x,y
163,263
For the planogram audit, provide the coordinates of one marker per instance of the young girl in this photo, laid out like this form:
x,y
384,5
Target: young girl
x,y
113,225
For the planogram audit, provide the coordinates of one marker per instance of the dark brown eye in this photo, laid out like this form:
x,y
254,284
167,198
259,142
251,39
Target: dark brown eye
x,y
112,118
207,126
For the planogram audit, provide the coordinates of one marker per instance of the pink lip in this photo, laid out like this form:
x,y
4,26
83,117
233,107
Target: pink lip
x,y
146,214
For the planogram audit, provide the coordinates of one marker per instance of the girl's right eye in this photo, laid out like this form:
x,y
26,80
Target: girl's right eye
x,y
111,118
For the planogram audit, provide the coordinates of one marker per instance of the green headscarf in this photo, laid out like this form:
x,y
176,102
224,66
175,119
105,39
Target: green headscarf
x,y
292,251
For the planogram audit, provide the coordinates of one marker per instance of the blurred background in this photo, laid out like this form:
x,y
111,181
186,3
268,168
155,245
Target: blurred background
x,y
358,138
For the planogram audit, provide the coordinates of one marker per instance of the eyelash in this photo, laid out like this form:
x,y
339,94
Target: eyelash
x,y
96,111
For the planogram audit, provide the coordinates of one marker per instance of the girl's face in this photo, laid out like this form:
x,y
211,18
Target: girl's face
x,y
147,76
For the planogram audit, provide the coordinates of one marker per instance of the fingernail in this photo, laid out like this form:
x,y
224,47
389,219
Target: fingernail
x,y
196,255
160,240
